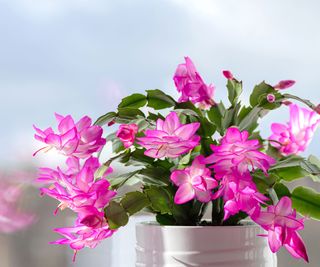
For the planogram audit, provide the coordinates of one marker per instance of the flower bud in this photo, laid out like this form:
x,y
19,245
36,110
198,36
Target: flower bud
x,y
228,74
286,102
127,133
271,98
317,109
284,84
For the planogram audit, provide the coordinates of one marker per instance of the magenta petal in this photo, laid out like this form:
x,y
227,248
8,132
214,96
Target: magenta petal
x,y
66,124
284,206
187,131
171,123
278,128
53,140
184,194
179,177
274,241
83,123
296,247
233,135
203,196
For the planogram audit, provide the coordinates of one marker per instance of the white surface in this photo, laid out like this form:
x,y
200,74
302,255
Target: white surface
x,y
181,246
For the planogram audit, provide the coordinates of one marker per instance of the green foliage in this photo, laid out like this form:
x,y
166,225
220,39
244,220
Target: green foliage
x,y
106,118
263,182
295,167
133,202
281,190
159,100
127,115
133,101
249,121
120,180
116,214
165,219
259,96
101,171
215,116
161,201
306,201
234,91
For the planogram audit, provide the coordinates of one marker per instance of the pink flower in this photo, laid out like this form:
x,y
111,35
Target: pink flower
x,y
81,236
12,218
282,225
170,138
79,139
127,133
295,137
79,188
193,182
191,86
239,193
228,74
235,150
284,84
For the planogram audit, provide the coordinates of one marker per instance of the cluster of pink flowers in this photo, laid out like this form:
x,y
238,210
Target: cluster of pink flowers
x,y
79,139
76,187
226,173
233,161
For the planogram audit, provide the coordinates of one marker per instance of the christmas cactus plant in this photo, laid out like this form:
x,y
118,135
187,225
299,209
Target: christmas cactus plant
x,y
197,153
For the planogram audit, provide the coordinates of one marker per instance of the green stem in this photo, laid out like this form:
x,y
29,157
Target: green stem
x,y
217,213
304,101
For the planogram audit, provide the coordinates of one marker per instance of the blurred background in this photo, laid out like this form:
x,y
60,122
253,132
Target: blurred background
x,y
82,56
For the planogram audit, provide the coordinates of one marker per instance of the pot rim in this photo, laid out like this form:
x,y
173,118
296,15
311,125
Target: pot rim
x,y
245,224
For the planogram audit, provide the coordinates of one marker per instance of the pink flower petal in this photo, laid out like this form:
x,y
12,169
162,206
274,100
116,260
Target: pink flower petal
x,y
184,194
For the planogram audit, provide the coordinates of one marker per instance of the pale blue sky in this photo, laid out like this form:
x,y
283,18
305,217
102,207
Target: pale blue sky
x,y
81,57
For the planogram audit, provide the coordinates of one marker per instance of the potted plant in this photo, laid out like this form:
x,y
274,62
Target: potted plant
x,y
197,154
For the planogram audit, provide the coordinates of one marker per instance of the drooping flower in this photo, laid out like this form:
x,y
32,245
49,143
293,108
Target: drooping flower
x,y
78,188
79,139
127,133
235,150
170,138
239,193
282,225
295,136
193,182
80,236
191,86
284,84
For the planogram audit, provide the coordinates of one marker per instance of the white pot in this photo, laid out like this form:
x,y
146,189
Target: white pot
x,y
214,246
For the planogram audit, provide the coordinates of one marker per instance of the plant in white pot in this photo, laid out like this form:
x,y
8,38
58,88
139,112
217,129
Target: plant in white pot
x,y
197,153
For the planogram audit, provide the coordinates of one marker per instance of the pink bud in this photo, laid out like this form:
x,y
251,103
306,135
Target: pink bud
x,y
286,102
284,84
228,74
271,98
111,123
127,134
